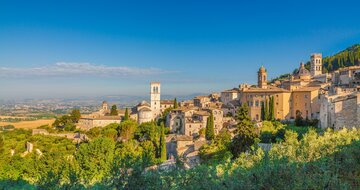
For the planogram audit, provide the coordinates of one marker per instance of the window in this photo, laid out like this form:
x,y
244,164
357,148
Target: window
x,y
257,103
306,96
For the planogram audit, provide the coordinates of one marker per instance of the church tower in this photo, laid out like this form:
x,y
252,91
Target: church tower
x,y
155,98
262,77
316,64
104,106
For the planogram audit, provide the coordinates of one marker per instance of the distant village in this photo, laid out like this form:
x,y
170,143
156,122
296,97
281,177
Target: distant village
x,y
332,99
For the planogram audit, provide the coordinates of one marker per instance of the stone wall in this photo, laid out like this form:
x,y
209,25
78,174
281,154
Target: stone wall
x,y
339,112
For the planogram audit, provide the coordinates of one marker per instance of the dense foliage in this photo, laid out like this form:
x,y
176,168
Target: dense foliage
x,y
327,161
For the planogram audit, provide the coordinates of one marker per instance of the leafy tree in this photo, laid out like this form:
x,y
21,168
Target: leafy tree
x,y
163,156
75,115
95,159
127,129
65,122
209,131
246,133
149,154
126,116
175,106
113,110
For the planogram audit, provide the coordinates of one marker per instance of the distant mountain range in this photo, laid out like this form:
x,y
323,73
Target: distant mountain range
x,y
120,100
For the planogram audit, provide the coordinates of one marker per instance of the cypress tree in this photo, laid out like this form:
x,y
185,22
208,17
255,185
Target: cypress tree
x,y
263,111
272,110
126,116
163,156
209,131
266,110
175,104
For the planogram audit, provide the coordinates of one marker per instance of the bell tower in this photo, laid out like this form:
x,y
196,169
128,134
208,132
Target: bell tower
x,y
155,98
316,64
262,77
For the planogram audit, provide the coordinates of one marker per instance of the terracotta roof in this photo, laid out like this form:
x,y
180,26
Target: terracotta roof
x,y
145,109
199,97
269,89
104,118
234,90
143,103
166,101
202,113
307,89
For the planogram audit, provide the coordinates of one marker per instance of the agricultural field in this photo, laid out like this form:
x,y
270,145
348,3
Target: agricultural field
x,y
28,124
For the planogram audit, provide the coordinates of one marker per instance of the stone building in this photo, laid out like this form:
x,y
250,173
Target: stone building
x,y
145,112
201,101
86,123
347,77
300,93
316,64
189,121
262,78
340,111
165,104
100,118
155,99
306,100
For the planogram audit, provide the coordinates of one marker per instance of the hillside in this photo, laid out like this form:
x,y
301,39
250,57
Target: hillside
x,y
348,57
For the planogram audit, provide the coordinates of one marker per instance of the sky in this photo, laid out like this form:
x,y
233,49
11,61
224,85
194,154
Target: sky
x,y
61,49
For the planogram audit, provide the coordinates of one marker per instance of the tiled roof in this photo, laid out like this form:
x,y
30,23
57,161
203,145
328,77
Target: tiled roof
x,y
269,89
166,101
307,89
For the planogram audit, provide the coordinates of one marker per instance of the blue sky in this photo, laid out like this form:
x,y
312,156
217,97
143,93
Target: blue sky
x,y
91,48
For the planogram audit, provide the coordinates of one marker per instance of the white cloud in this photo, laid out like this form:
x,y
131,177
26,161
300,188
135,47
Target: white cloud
x,y
79,69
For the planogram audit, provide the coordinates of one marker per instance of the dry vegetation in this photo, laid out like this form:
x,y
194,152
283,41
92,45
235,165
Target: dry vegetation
x,y
29,124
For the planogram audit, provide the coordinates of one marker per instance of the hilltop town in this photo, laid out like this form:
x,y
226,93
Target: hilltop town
x,y
239,125
325,100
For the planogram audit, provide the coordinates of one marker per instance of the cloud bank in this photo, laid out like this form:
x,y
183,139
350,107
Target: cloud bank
x,y
79,69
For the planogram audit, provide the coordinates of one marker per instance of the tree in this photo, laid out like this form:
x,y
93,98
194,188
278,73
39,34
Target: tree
x,y
2,144
266,110
175,104
114,111
246,133
271,109
95,159
126,116
209,131
263,118
127,129
75,115
242,115
163,156
299,120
